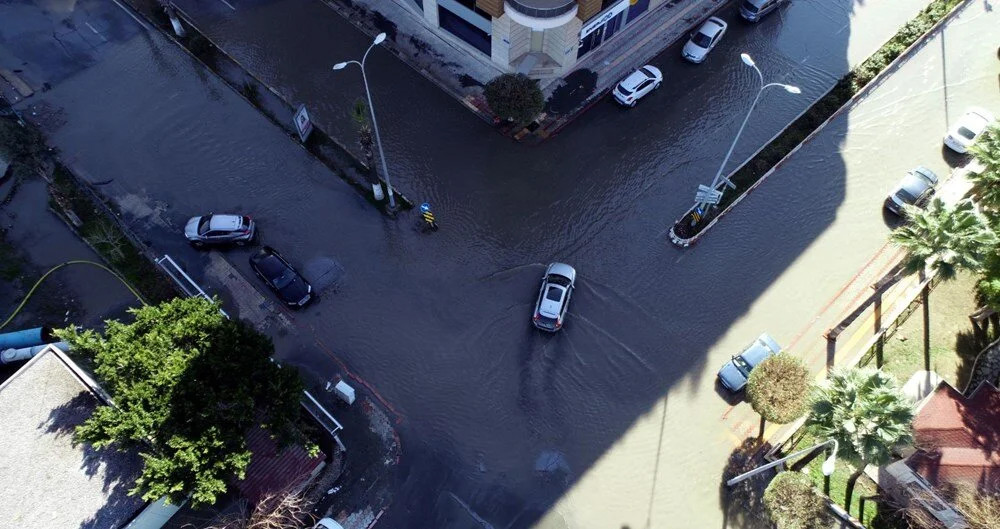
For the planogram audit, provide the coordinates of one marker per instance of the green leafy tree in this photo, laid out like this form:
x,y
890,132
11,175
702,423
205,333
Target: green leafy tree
x,y
186,384
866,413
945,239
793,503
778,388
514,97
986,151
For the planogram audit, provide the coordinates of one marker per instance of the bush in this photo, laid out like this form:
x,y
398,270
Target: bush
x,y
793,503
514,97
778,388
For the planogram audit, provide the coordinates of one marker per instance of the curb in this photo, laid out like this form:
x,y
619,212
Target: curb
x,y
390,46
362,187
874,83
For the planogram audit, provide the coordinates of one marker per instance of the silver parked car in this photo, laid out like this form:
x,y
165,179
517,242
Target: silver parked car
x,y
703,40
962,134
915,188
736,372
220,229
754,10
639,83
553,297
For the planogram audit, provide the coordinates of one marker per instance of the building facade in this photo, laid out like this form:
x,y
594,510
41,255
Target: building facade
x,y
540,38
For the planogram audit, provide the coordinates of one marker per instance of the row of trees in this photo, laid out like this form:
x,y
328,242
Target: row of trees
x,y
864,410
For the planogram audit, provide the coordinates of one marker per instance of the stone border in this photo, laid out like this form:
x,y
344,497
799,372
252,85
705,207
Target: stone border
x,y
871,85
314,147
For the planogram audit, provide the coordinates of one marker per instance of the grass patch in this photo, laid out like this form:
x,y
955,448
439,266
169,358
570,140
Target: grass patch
x,y
952,345
848,85
838,480
107,238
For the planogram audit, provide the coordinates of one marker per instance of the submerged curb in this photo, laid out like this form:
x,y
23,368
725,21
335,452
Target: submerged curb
x,y
871,85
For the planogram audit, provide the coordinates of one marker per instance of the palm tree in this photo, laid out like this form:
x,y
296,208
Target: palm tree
x,y
986,151
945,239
866,413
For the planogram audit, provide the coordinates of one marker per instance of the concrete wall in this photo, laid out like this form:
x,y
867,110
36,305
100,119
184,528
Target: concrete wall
x,y
431,12
562,43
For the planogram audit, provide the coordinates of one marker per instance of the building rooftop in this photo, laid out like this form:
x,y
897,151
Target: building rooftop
x,y
47,481
959,438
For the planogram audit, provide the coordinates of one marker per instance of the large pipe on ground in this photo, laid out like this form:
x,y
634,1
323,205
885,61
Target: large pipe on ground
x,y
25,338
9,356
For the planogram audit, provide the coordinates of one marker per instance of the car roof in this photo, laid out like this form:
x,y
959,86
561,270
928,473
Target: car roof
x,y
760,349
975,119
634,79
268,262
548,307
914,184
225,222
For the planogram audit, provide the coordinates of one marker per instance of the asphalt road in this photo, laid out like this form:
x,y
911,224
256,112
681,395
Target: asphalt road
x,y
499,419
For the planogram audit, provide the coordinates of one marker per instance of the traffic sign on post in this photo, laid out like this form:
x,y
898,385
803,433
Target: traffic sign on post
x,y
303,125
707,195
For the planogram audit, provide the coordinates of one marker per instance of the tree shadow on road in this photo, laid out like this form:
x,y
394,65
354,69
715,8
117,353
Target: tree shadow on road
x,y
743,503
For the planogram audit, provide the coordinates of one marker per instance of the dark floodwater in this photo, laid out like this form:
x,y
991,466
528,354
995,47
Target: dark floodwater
x,y
498,418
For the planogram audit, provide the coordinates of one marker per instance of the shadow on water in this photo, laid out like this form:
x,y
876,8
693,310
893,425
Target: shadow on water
x,y
439,323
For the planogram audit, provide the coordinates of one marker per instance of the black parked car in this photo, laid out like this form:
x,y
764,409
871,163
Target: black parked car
x,y
283,279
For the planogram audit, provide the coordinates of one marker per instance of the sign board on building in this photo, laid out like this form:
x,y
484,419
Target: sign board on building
x,y
302,123
602,18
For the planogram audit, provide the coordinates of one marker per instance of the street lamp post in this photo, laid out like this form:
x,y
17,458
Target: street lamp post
x,y
828,465
371,108
788,88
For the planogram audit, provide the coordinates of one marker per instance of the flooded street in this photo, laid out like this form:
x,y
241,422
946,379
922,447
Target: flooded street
x,y
616,420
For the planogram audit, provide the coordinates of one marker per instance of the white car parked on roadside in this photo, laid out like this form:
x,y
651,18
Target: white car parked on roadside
x,y
638,84
703,40
967,129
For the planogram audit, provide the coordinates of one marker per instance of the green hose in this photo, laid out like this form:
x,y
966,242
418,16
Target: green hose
x,y
57,267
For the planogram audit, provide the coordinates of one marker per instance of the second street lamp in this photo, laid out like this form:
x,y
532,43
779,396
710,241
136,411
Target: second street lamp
x,y
718,175
371,108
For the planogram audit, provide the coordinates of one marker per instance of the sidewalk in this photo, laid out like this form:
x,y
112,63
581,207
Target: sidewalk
x,y
444,61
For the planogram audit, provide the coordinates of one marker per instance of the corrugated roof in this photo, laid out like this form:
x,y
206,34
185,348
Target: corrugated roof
x,y
46,481
959,438
272,469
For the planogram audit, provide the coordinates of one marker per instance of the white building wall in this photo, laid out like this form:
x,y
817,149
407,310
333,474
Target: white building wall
x,y
562,43
500,47
520,40
431,12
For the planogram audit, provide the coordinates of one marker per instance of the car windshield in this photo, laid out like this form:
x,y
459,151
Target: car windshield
x,y
749,7
905,196
554,294
741,364
649,73
558,280
966,133
701,39
203,224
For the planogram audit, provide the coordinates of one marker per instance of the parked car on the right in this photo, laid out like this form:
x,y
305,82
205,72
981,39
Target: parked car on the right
x,y
703,40
736,372
915,188
215,229
639,83
967,129
754,10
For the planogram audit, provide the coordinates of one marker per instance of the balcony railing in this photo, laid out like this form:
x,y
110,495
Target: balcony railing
x,y
541,8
